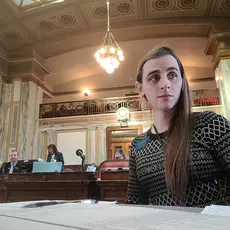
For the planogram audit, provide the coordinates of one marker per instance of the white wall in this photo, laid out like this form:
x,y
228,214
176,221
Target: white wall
x,y
69,141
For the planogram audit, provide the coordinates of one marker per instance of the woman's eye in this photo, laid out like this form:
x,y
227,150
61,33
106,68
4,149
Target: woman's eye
x,y
154,78
172,75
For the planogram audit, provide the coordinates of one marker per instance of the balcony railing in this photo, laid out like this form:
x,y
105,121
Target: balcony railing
x,y
111,105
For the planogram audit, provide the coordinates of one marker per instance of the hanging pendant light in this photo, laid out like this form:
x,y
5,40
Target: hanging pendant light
x,y
109,54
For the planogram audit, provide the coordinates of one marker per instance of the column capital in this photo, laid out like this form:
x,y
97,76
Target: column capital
x,y
27,65
218,46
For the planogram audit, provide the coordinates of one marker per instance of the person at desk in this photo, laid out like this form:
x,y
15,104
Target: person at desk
x,y
12,166
184,158
54,155
119,155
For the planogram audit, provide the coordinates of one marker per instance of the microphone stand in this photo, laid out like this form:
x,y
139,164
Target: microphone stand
x,y
83,164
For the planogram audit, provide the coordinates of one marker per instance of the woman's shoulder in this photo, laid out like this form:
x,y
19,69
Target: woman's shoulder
x,y
141,140
205,118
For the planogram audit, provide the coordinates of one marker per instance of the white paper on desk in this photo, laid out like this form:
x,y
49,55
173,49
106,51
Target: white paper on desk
x,y
217,210
108,217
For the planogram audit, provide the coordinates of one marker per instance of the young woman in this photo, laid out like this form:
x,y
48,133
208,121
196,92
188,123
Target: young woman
x,y
184,158
54,155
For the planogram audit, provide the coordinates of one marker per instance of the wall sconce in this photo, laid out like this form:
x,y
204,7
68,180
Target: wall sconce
x,y
86,92
218,81
123,116
218,78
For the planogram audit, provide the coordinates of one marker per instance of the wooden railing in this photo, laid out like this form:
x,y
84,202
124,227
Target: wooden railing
x,y
110,105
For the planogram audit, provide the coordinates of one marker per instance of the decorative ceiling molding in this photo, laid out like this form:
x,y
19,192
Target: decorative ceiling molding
x,y
219,47
59,28
28,66
55,23
14,36
180,8
120,11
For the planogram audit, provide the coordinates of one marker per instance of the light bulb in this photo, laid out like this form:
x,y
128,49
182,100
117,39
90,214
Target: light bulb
x,y
112,50
97,55
109,69
121,58
120,53
102,51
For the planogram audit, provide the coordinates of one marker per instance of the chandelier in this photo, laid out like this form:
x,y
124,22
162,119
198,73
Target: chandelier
x,y
109,54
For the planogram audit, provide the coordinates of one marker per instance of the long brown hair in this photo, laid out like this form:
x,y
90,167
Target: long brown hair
x,y
179,132
52,146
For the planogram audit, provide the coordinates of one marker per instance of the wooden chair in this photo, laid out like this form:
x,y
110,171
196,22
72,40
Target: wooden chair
x,y
112,164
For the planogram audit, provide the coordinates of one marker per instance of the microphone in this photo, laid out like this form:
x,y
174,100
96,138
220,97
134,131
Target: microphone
x,y
79,153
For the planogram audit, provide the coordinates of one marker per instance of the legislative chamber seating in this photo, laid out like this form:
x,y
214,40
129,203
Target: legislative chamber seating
x,y
112,164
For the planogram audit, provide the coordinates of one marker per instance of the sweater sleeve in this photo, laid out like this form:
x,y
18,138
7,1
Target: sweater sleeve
x,y
218,131
134,193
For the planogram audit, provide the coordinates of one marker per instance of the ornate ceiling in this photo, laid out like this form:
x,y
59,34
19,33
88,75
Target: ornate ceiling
x,y
64,26
53,25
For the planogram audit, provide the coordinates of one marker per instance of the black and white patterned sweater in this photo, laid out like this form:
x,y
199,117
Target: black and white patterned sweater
x,y
208,166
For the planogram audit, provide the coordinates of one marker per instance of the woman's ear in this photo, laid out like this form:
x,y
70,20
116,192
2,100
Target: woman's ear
x,y
138,85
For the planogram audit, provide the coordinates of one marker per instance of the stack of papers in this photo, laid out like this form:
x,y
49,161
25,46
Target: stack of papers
x,y
217,210
84,216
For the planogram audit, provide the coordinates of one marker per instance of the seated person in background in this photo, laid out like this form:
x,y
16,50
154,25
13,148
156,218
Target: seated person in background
x,y
119,155
54,155
11,167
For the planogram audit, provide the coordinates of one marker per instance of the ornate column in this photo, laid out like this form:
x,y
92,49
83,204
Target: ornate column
x,y
5,105
5,101
102,155
24,92
219,48
91,146
51,137
31,98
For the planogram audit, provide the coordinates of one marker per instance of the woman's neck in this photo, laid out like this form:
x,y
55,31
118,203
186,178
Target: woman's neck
x,y
161,121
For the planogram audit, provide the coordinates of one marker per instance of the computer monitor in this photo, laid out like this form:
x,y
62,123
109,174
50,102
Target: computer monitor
x,y
26,166
41,167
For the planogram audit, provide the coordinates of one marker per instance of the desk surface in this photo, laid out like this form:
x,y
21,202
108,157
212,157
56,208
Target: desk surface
x,y
108,217
50,176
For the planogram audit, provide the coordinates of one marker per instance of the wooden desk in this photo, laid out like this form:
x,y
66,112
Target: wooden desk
x,y
115,175
112,190
52,186
113,185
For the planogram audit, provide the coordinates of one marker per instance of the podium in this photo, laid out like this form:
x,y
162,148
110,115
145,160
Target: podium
x,y
51,186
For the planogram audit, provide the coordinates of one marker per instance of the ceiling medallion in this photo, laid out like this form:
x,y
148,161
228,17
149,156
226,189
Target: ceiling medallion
x,y
13,37
109,54
67,19
124,8
162,4
188,3
47,25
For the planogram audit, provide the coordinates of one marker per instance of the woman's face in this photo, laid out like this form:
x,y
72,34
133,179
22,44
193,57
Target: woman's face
x,y
161,82
50,150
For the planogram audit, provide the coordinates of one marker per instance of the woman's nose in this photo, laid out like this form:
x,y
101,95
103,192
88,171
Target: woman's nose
x,y
164,83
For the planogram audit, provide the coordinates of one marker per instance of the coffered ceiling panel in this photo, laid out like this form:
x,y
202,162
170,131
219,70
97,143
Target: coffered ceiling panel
x,y
13,36
120,11
222,8
171,8
55,23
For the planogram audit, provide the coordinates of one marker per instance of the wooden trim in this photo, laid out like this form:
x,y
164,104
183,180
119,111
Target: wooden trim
x,y
125,140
